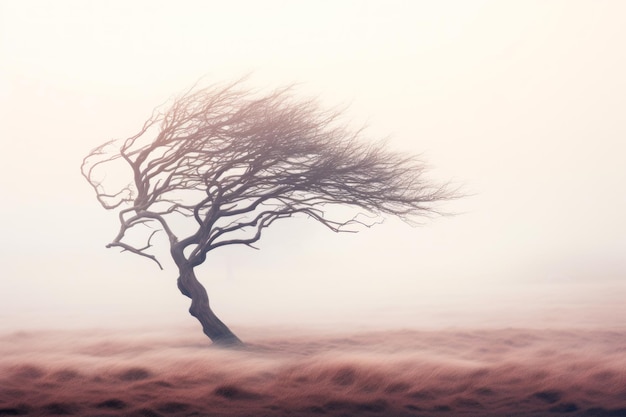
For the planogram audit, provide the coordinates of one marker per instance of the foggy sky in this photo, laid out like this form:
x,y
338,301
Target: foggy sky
x,y
521,103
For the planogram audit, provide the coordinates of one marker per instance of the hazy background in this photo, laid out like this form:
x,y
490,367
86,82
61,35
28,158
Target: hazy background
x,y
522,102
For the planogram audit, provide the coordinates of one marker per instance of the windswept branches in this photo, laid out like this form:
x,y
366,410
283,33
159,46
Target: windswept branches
x,y
232,162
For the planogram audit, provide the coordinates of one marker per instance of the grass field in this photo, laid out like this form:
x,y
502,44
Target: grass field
x,y
175,372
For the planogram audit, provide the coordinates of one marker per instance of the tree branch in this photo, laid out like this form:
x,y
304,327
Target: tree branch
x,y
232,162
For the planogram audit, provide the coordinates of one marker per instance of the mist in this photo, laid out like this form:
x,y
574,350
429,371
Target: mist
x,y
510,304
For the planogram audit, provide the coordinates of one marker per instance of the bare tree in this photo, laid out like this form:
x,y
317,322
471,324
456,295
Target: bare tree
x,y
231,162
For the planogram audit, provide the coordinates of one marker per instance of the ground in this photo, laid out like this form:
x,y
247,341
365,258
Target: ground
x,y
453,372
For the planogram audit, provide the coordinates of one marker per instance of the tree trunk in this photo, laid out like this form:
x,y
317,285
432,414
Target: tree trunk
x,y
213,327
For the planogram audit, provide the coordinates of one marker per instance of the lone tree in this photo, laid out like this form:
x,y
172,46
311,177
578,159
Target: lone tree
x,y
222,164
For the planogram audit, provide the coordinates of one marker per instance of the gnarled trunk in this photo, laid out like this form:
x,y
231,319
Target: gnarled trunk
x,y
213,327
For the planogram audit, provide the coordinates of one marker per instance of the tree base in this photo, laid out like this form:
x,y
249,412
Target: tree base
x,y
229,343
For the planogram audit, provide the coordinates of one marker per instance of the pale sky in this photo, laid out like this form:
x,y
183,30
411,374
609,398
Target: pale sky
x,y
520,102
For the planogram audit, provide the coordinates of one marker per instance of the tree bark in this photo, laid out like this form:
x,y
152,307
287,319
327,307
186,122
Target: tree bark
x,y
212,326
